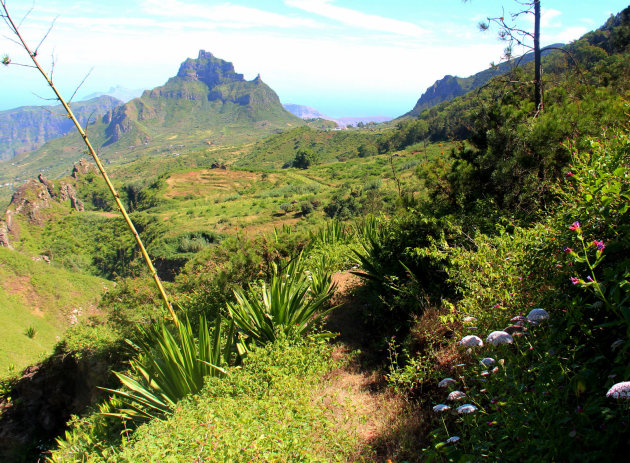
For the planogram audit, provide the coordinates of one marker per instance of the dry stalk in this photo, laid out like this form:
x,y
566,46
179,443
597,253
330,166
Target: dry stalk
x,y
33,55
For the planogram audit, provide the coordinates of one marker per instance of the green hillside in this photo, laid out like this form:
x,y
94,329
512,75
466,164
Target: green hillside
x,y
27,128
38,296
449,287
329,145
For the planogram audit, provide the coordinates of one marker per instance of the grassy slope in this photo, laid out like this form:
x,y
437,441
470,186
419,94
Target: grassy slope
x,y
38,295
255,415
274,152
222,200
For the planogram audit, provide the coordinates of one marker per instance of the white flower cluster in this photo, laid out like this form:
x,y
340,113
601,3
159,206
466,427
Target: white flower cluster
x,y
496,338
620,391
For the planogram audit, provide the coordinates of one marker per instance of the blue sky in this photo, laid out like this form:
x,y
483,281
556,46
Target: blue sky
x,y
343,57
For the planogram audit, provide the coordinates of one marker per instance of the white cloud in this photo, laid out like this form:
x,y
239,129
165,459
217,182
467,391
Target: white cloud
x,y
224,15
357,18
569,34
547,16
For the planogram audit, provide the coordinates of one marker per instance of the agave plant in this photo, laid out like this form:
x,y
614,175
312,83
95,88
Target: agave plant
x,y
332,233
292,301
170,367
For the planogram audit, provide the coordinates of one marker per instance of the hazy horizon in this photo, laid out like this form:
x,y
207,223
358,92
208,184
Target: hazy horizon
x,y
345,58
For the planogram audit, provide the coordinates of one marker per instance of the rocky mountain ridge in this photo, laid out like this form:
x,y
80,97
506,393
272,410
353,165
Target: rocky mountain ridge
x,y
206,105
210,91
450,87
29,127
34,196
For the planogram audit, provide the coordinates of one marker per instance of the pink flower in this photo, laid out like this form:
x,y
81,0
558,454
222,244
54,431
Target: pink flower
x,y
567,250
574,280
588,278
600,245
575,226
569,174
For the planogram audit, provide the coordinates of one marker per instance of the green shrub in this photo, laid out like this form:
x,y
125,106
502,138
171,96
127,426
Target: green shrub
x,y
548,393
291,304
255,414
305,158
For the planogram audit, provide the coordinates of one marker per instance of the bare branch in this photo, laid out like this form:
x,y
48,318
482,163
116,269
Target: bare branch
x,y
52,65
12,40
11,63
44,98
26,15
81,84
52,24
54,113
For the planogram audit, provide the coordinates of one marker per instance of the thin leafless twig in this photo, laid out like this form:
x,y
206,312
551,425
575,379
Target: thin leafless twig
x,y
52,24
22,65
79,86
27,14
12,40
52,65
44,98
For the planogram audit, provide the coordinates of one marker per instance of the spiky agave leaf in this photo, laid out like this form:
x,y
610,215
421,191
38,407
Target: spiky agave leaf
x,y
287,304
171,367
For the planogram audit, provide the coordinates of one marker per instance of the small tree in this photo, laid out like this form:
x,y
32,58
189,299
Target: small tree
x,y
367,150
305,158
515,36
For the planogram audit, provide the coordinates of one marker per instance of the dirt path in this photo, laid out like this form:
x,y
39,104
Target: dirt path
x,y
357,393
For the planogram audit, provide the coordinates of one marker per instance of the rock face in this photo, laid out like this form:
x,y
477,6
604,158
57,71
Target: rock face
x,y
82,168
43,399
33,197
208,69
27,128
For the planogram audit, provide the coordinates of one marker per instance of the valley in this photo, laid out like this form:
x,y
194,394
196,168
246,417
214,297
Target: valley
x,y
429,288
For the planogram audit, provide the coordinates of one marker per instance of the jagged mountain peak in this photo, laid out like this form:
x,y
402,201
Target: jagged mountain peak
x,y
208,69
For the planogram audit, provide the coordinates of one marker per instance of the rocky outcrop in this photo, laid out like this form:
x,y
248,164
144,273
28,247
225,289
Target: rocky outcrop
x,y
450,87
34,196
209,70
4,235
39,404
198,81
82,168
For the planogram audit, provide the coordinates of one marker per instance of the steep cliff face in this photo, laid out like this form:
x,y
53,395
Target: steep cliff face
x,y
207,90
27,128
444,89
209,70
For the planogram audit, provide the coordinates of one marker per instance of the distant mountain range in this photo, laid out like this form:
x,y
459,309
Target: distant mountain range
x,y
206,104
29,127
306,112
